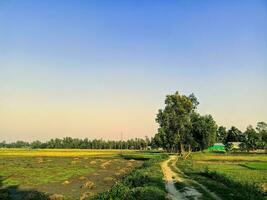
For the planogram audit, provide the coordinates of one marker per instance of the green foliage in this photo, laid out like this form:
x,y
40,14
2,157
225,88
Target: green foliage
x,y
252,139
233,135
256,165
144,183
224,175
221,134
174,121
181,127
49,170
137,179
239,190
203,130
76,143
262,130
229,146
146,193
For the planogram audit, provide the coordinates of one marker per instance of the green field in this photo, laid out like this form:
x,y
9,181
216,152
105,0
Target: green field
x,y
230,175
64,174
71,173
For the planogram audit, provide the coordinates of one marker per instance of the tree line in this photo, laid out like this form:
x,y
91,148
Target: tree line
x,y
76,143
249,140
182,128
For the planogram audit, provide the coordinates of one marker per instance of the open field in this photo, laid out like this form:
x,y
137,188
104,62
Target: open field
x,y
231,176
236,166
64,152
109,174
71,173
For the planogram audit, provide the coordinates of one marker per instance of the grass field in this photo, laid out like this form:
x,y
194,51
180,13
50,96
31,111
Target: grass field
x,y
63,152
71,173
110,174
229,175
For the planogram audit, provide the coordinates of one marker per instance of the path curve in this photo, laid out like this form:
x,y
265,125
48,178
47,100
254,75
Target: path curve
x,y
212,194
169,175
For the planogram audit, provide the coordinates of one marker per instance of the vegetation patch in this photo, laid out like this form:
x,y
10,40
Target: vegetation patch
x,y
227,178
74,177
256,165
143,183
143,156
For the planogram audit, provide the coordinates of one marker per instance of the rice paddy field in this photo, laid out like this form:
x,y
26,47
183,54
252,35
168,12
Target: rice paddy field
x,y
250,168
228,174
58,174
71,174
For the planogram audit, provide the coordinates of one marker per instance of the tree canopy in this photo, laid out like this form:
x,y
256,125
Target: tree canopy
x,y
181,127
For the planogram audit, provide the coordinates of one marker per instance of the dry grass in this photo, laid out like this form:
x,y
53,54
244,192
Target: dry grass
x,y
62,152
88,184
56,197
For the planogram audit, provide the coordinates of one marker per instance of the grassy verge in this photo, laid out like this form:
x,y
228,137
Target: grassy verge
x,y
186,182
256,165
144,183
223,176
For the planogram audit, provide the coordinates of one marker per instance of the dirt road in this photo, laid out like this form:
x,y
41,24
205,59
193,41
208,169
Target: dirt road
x,y
169,175
187,191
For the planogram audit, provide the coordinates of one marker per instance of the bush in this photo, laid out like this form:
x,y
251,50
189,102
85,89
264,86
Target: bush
x,y
142,184
137,179
118,192
146,193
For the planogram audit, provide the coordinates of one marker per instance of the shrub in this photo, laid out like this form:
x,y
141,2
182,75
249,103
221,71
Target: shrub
x,y
137,179
146,193
143,183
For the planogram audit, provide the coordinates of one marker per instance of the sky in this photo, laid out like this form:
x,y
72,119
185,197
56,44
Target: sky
x,y
98,68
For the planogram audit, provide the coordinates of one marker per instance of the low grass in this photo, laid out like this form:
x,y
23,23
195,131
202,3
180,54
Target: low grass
x,y
31,171
231,176
256,165
63,172
143,156
144,183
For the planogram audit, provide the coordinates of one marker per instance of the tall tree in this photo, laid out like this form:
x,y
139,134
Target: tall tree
x,y
174,120
233,135
251,140
262,130
203,131
221,134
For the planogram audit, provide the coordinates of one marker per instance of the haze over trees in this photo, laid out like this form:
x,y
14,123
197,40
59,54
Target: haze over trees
x,y
181,128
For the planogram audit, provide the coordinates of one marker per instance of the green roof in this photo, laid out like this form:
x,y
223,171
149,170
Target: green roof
x,y
217,147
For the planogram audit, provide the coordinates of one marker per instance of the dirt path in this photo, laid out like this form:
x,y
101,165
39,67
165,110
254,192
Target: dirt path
x,y
169,175
187,191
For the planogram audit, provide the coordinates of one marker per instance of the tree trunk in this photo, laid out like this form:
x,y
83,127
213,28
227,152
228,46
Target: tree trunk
x,y
182,149
189,152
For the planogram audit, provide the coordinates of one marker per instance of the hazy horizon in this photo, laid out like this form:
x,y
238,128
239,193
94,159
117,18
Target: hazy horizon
x,y
95,69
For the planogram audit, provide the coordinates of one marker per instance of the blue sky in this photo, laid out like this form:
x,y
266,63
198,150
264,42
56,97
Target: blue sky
x,y
96,68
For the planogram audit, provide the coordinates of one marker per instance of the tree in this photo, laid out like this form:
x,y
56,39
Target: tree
x,y
174,120
221,134
261,127
36,144
252,139
262,130
233,135
203,131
